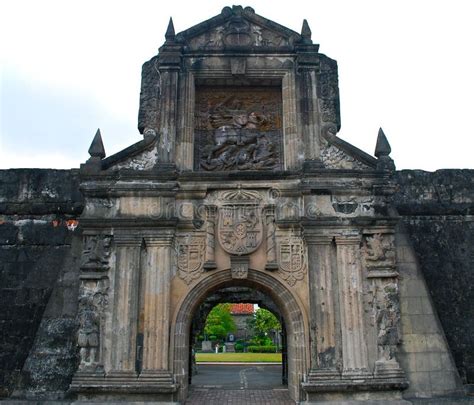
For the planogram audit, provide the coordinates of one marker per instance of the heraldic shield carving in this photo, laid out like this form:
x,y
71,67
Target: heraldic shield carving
x,y
191,253
240,226
292,259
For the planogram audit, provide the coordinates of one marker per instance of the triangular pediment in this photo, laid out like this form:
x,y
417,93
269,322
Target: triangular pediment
x,y
142,155
339,154
235,28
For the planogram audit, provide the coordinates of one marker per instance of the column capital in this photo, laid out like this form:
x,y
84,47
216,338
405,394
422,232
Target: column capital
x,y
316,238
128,239
162,239
352,239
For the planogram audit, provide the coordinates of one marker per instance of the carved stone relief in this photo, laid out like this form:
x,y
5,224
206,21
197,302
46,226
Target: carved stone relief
x,y
334,158
292,259
238,32
191,257
386,313
143,161
380,251
96,252
93,299
240,225
238,128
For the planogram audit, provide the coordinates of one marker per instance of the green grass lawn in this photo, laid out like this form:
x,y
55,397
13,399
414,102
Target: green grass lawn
x,y
238,357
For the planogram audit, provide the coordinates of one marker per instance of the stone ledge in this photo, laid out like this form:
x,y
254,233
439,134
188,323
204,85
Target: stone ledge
x,y
345,385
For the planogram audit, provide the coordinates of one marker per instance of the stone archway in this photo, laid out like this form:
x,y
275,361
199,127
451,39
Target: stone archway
x,y
291,310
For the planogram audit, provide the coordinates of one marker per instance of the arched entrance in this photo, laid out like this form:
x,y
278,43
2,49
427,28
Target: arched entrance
x,y
248,297
288,305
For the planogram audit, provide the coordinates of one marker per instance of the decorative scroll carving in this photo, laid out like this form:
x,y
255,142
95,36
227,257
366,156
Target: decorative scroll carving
x,y
191,256
92,302
292,259
238,128
240,229
96,253
380,251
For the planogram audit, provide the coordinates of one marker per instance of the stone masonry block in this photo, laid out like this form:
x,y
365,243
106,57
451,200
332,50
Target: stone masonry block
x,y
435,343
414,343
442,382
411,306
420,383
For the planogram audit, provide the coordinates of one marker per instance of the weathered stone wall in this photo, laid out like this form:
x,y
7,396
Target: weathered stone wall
x,y
35,265
39,280
437,210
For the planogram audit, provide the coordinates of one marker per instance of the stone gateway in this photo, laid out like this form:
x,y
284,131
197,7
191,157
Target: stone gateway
x,y
241,181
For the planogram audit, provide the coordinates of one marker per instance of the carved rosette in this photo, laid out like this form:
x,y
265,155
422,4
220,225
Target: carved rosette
x,y
191,257
240,226
292,259
93,299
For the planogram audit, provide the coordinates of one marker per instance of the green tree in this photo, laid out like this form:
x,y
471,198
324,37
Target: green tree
x,y
265,321
220,322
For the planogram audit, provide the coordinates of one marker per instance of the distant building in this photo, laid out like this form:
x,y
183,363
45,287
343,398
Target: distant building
x,y
241,313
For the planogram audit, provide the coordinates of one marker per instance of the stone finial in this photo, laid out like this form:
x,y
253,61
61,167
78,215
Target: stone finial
x,y
382,152
96,150
382,148
170,34
306,31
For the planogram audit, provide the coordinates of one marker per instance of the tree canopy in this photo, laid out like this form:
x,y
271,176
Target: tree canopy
x,y
219,322
265,321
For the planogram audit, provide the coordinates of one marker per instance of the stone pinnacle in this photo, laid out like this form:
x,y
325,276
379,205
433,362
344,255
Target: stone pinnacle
x,y
170,34
305,30
97,147
382,148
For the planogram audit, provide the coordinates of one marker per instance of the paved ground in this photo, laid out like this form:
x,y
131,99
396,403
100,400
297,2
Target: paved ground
x,y
233,377
238,385
200,396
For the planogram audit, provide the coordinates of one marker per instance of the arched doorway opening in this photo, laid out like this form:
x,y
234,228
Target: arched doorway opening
x,y
255,307
288,306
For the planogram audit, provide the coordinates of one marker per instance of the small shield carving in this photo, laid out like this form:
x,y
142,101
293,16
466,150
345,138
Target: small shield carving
x,y
292,259
191,253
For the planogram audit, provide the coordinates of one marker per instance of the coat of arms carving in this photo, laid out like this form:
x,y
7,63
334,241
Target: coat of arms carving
x,y
292,260
191,255
240,226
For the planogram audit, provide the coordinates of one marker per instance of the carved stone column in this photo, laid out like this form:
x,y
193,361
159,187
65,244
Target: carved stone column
x,y
210,263
323,322
354,345
167,119
124,333
271,244
185,146
156,292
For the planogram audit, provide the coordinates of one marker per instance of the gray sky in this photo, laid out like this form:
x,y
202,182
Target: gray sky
x,y
69,67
